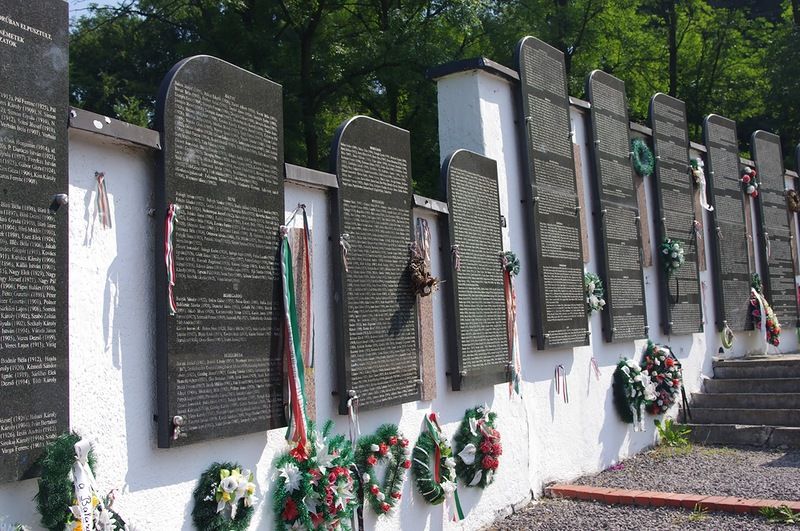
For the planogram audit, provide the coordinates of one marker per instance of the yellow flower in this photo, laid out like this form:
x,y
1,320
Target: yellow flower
x,y
226,497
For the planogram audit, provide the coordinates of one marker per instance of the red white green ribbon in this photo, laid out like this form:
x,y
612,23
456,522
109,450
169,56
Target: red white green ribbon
x,y
511,326
103,209
293,350
169,255
449,485
308,335
595,368
561,383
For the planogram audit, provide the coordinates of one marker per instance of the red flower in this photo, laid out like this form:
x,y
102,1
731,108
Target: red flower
x,y
383,449
396,495
371,460
315,473
392,440
489,462
406,464
332,477
754,194
316,518
676,382
769,322
290,510
486,446
745,178
669,362
329,497
433,418
299,453
404,443
385,507
374,489
498,449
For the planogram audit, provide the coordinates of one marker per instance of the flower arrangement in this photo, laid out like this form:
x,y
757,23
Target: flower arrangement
x,y
697,169
633,391
478,447
224,498
593,287
642,158
386,446
315,488
432,463
57,500
665,373
750,181
762,312
510,262
793,200
672,255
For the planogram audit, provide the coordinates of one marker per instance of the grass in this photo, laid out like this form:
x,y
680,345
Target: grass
x,y
780,515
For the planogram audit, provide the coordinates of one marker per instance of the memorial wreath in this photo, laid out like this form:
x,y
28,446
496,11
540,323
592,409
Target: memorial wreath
x,y
633,390
433,466
672,255
642,158
477,447
665,373
68,498
793,200
315,487
750,181
386,446
223,498
595,292
763,315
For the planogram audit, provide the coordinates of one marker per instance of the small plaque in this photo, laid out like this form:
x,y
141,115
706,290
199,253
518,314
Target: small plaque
x,y
557,259
775,233
34,356
680,292
479,353
728,233
376,323
616,213
219,356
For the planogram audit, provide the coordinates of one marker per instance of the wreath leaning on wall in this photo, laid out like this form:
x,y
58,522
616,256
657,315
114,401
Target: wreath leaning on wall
x,y
57,501
642,158
477,447
432,463
223,498
593,287
387,445
633,391
665,373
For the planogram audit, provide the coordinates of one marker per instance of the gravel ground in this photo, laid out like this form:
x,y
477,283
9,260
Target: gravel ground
x,y
556,515
711,470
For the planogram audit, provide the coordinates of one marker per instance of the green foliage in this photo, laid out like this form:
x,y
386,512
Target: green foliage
x,y
204,513
477,432
781,515
671,434
56,490
699,513
133,110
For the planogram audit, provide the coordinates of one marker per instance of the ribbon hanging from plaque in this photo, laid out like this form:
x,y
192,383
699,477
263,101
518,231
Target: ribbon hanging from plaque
x,y
169,255
296,431
103,208
509,262
560,376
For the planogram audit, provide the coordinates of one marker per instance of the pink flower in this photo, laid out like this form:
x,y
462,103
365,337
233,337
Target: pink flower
x,y
371,460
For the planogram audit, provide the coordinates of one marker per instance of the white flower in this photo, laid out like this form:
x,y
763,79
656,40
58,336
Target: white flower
x,y
449,487
450,462
632,364
229,484
374,447
381,496
590,286
322,457
467,455
473,426
477,478
292,475
366,478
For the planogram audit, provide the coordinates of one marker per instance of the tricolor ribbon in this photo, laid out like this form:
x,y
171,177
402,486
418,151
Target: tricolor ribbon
x,y
515,364
103,208
424,238
456,252
169,255
293,349
344,243
762,304
449,485
305,279
84,484
561,383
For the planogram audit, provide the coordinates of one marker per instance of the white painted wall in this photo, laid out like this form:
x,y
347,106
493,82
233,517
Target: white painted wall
x,y
112,347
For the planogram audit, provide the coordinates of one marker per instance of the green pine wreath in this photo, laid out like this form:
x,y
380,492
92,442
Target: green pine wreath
x,y
315,487
642,158
423,466
665,372
221,488
477,447
56,495
387,445
633,391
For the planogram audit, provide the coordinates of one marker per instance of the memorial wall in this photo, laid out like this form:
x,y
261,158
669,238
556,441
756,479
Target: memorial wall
x,y
183,317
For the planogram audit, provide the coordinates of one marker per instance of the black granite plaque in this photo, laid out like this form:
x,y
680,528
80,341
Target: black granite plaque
x,y
34,384
376,325
775,232
730,261
680,292
557,257
615,210
219,356
479,350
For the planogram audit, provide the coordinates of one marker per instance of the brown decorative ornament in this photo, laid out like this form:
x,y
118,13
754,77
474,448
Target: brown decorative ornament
x,y
793,200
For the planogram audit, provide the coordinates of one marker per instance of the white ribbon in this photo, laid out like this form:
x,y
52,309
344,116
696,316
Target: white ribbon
x,y
763,317
84,483
700,175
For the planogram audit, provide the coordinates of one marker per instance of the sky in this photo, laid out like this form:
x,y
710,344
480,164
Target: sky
x,y
76,7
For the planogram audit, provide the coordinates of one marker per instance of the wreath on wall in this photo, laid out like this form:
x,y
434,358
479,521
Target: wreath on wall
x,y
633,391
642,158
67,465
762,313
315,488
477,447
665,373
223,498
432,463
672,255
386,446
593,287
750,181
793,201
510,262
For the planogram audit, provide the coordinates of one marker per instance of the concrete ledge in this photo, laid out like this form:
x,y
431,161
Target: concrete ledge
x,y
728,504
